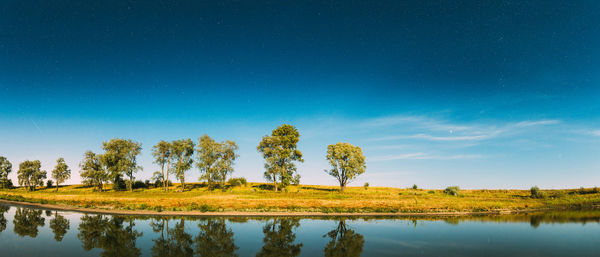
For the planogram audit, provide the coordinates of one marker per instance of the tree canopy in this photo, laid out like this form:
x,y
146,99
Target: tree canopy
x,y
120,158
280,152
61,172
347,162
162,156
182,152
5,169
30,174
93,172
215,159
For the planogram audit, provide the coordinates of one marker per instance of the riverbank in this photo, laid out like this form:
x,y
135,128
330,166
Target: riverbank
x,y
256,199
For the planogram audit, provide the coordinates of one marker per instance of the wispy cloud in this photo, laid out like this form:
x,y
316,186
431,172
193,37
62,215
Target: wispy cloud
x,y
424,156
435,138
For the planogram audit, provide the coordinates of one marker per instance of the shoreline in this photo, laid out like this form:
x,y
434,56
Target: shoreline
x,y
62,207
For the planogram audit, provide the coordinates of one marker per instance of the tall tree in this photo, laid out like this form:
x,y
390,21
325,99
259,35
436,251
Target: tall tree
x,y
30,174
162,156
280,151
347,162
5,169
279,239
27,221
93,172
120,158
344,242
3,220
61,172
59,225
215,239
183,150
215,160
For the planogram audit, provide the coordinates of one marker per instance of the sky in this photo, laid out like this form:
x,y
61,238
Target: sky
x,y
476,94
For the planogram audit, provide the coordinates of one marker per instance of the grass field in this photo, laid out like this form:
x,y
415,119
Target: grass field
x,y
257,197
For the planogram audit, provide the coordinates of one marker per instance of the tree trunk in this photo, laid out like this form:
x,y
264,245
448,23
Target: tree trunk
x,y
162,171
275,185
182,184
56,186
342,188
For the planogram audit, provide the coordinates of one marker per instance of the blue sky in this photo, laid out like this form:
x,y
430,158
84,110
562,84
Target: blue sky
x,y
486,94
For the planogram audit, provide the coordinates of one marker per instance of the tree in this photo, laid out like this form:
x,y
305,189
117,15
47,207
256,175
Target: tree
x,y
344,242
92,170
279,239
162,156
215,239
26,222
61,172
183,150
347,162
280,152
3,220
5,169
111,235
59,225
120,158
215,160
30,174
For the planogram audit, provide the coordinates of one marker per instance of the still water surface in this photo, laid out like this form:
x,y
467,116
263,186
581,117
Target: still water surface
x,y
35,232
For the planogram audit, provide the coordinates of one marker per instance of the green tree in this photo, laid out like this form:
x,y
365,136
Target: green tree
x,y
112,235
26,222
59,225
183,150
215,240
215,160
120,158
61,172
93,172
5,169
344,242
3,220
30,174
162,156
280,151
347,162
279,239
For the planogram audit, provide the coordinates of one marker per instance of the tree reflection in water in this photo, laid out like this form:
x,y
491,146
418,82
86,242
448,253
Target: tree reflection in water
x,y
279,238
344,242
3,221
114,235
215,239
176,243
27,221
59,225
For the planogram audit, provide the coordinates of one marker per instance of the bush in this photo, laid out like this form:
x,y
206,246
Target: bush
x,y
235,182
49,183
536,193
415,187
454,190
366,186
431,192
6,183
139,184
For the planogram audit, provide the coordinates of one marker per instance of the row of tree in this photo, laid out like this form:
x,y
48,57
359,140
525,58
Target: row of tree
x,y
118,236
215,160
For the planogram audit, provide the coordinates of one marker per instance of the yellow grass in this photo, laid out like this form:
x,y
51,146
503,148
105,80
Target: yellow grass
x,y
305,198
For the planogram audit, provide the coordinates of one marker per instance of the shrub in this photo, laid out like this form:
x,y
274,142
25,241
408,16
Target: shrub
x,y
431,192
366,186
415,187
234,182
536,193
139,184
49,183
454,190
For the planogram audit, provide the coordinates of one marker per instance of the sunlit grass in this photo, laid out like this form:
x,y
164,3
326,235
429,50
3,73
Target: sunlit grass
x,y
255,197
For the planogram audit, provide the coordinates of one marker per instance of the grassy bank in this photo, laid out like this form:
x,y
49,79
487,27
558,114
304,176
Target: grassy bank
x,y
257,197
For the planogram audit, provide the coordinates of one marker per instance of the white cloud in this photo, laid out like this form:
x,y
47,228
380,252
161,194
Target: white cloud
x,y
424,156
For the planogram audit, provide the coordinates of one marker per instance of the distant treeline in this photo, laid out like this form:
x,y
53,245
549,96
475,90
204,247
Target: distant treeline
x,y
215,160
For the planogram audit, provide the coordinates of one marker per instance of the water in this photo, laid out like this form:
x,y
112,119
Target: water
x,y
36,232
